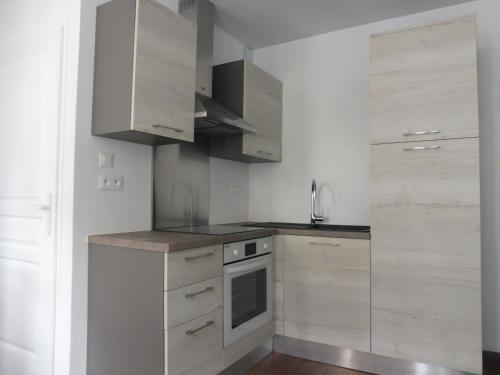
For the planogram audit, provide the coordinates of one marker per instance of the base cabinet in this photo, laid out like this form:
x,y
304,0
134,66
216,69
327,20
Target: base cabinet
x,y
326,291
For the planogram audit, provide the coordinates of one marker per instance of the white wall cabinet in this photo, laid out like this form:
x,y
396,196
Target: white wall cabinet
x,y
326,291
144,79
425,199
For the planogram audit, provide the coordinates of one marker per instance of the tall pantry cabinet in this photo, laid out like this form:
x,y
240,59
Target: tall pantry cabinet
x,y
426,251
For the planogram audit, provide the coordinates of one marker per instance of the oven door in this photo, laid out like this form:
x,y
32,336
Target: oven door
x,y
247,297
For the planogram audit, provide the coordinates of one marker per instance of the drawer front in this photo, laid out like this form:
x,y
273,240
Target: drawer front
x,y
195,348
187,267
189,302
423,83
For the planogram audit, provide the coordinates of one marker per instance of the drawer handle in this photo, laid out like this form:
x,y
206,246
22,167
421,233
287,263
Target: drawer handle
x,y
207,289
194,257
264,152
191,332
422,133
168,127
336,244
418,148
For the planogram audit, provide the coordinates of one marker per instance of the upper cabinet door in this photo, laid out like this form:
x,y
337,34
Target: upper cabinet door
x,y
144,80
262,107
164,72
423,83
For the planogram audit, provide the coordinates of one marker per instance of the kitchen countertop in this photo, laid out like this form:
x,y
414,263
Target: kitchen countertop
x,y
172,241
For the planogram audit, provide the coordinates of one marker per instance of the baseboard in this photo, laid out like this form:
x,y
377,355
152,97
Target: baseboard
x,y
491,357
244,364
360,361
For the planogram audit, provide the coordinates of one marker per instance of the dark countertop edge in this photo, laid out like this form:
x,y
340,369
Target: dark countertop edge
x,y
144,240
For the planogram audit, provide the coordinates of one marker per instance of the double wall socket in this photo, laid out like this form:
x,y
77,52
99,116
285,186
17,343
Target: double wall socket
x,y
110,183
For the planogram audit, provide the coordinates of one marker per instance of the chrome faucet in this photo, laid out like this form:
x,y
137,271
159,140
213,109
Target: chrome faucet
x,y
314,217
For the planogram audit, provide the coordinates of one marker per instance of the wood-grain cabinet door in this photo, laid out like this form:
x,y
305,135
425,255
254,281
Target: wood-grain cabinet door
x,y
426,261
263,109
327,291
423,83
165,72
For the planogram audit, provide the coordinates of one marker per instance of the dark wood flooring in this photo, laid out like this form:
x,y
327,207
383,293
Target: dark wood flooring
x,y
281,364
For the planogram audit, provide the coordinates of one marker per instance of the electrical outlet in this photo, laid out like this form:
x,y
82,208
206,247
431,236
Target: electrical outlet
x,y
235,189
110,183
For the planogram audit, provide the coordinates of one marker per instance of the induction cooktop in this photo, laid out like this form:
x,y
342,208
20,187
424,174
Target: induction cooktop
x,y
217,230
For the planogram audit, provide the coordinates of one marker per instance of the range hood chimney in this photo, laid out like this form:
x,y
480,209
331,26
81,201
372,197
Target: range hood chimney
x,y
211,117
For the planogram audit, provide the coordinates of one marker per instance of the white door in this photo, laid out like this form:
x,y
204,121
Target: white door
x,y
30,71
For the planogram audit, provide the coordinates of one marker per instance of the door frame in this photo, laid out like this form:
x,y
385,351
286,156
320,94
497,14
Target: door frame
x,y
69,44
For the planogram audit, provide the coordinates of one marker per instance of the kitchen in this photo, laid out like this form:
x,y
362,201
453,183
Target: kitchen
x,y
300,205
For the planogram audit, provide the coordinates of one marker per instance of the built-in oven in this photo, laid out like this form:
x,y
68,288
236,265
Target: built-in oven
x,y
247,287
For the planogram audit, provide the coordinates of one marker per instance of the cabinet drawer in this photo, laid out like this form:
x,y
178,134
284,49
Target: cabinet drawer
x,y
423,83
195,348
189,302
187,267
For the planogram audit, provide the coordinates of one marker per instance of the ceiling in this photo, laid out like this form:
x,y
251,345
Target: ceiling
x,y
260,23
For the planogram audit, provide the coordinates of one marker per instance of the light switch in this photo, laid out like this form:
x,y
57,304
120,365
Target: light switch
x,y
106,160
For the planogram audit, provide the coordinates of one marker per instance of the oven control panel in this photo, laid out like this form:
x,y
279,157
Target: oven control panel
x,y
236,251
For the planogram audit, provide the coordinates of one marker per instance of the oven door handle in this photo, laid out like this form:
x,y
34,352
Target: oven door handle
x,y
246,267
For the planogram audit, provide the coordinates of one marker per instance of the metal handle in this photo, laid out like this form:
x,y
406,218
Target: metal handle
x,y
168,127
247,267
191,332
198,256
418,148
422,133
264,152
207,289
336,244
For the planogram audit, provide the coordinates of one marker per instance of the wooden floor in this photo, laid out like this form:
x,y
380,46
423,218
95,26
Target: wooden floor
x,y
281,364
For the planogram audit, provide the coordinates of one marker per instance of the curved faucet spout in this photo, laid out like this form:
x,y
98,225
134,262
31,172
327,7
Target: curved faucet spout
x,y
314,218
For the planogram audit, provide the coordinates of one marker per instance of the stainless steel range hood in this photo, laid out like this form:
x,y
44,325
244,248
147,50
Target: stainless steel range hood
x,y
211,117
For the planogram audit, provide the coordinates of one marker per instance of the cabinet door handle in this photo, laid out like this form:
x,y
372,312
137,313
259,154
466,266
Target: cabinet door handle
x,y
418,148
207,289
168,127
422,133
191,332
264,152
198,256
336,244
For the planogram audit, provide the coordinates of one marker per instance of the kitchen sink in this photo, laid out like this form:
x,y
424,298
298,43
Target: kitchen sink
x,y
332,227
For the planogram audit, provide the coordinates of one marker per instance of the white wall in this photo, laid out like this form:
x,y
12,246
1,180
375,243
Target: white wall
x,y
96,211
489,110
325,123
